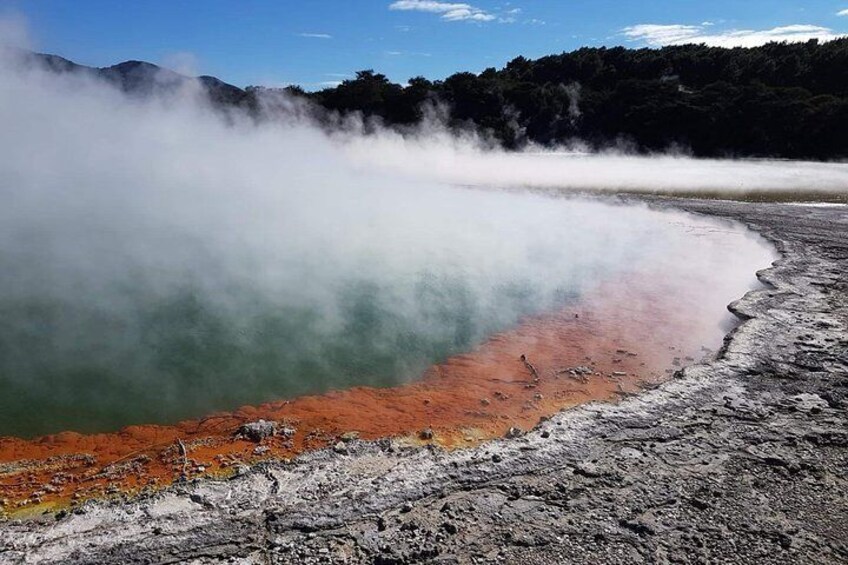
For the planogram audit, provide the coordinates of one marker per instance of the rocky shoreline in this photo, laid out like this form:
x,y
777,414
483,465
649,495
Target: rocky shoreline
x,y
742,460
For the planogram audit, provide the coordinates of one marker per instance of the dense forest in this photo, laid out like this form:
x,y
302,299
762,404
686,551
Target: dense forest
x,y
777,100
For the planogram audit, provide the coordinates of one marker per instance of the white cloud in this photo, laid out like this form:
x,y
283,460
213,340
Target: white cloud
x,y
316,35
678,34
842,12
408,53
449,11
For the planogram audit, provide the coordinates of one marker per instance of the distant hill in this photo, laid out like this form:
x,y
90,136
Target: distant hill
x,y
142,78
778,100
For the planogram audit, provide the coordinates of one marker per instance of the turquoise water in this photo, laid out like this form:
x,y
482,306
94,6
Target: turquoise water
x,y
182,354
122,319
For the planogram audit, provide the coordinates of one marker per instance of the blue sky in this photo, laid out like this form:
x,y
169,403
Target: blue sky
x,y
318,42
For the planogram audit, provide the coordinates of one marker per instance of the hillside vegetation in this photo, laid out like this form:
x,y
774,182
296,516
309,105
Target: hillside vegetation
x,y
784,100
778,100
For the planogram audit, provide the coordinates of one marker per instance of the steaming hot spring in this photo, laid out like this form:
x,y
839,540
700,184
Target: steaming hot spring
x,y
167,276
111,318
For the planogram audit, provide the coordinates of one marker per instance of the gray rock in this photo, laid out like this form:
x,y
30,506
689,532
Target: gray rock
x,y
513,433
258,430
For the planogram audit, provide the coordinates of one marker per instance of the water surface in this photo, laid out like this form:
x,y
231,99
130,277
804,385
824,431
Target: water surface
x,y
104,323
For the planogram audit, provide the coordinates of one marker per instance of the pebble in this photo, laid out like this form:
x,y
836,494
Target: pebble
x,y
257,431
349,436
513,432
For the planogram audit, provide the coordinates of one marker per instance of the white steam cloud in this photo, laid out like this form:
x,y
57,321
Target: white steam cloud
x,y
14,31
159,261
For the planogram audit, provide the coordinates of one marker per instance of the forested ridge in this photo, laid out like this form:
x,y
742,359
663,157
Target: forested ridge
x,y
777,100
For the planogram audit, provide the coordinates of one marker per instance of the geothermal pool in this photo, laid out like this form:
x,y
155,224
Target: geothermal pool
x,y
111,317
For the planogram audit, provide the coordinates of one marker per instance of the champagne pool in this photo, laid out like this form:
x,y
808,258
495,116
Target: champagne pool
x,y
150,319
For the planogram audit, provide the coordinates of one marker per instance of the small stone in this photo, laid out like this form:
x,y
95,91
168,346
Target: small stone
x,y
513,433
450,528
630,453
260,450
546,434
497,458
340,447
699,503
638,526
426,434
348,437
257,431
588,470
485,401
807,402
406,508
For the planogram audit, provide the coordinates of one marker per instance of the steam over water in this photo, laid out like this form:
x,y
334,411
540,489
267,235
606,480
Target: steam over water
x,y
158,262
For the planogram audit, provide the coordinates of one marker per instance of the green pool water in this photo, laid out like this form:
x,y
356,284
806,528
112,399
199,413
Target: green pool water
x,y
105,324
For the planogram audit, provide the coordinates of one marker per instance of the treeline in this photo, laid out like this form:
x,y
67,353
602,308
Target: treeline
x,y
778,100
